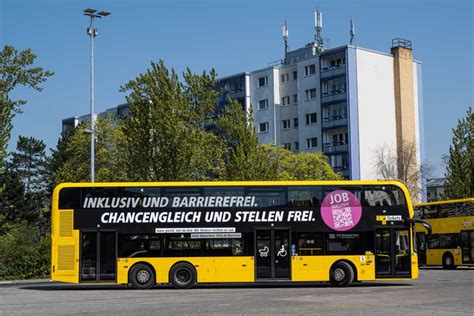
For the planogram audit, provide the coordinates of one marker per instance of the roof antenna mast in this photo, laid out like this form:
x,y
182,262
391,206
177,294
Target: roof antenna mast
x,y
352,33
318,25
284,35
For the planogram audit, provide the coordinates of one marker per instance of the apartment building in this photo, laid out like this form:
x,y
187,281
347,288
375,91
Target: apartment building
x,y
346,102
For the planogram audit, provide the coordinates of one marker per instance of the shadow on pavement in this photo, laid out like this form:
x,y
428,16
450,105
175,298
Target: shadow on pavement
x,y
464,268
92,287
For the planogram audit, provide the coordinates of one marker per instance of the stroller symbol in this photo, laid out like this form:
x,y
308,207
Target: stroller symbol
x,y
282,252
264,252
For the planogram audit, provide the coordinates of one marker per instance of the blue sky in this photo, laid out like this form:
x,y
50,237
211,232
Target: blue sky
x,y
231,36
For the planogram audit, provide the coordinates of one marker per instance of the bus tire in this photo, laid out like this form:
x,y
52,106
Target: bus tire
x,y
448,261
183,275
341,274
142,276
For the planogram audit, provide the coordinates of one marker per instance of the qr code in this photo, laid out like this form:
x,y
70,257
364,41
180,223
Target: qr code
x,y
342,217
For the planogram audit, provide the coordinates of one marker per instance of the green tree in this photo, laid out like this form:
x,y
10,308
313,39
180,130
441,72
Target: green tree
x,y
300,166
24,197
29,162
57,159
12,198
73,159
460,161
16,69
245,159
166,135
24,253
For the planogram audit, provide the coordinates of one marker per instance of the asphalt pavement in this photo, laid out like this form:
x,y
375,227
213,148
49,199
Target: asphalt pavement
x,y
437,292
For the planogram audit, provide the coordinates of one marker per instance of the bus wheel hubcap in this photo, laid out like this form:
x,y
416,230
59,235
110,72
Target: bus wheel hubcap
x,y
183,276
339,274
143,276
448,261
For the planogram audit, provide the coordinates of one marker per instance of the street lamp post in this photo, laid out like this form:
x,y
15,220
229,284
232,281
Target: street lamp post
x,y
92,32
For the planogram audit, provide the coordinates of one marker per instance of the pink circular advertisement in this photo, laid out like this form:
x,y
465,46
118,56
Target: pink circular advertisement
x,y
341,210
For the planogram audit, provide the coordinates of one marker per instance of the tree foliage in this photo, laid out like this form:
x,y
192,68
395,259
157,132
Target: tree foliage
x,y
16,69
460,161
244,158
29,162
300,166
24,198
73,157
165,135
24,253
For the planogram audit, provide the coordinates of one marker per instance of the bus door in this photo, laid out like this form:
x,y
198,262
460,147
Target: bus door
x,y
467,246
272,255
392,253
421,247
98,256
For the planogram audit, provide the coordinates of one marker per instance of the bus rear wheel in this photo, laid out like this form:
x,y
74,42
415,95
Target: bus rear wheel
x,y
183,275
142,276
448,261
341,274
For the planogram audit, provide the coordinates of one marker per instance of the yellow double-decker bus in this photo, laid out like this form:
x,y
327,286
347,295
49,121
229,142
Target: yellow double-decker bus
x,y
452,241
184,233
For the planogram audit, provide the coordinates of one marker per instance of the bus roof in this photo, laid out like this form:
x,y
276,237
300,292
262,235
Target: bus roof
x,y
231,183
446,202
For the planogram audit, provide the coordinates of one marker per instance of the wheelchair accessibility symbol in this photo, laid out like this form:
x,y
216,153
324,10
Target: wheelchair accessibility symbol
x,y
264,252
282,252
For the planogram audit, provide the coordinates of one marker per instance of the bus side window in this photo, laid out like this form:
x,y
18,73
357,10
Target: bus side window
x,y
310,244
181,245
69,198
304,196
266,196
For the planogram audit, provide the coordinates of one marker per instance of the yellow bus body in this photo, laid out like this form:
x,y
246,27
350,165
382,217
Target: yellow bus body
x,y
446,225
65,240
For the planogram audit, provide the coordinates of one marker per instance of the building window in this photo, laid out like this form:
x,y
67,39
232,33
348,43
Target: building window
x,y
287,146
286,124
309,70
263,127
263,104
338,62
311,118
285,101
263,81
285,77
311,142
295,98
297,146
295,75
310,94
295,122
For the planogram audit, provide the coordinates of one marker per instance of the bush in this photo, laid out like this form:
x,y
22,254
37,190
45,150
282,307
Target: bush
x,y
24,254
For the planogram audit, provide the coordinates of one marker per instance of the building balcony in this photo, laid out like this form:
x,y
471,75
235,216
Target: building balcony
x,y
328,72
334,121
333,96
342,170
334,147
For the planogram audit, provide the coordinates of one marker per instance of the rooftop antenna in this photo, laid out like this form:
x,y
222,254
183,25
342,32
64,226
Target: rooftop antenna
x,y
284,34
318,25
352,33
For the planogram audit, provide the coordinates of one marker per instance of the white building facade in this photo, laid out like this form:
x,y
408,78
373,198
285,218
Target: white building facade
x,y
346,102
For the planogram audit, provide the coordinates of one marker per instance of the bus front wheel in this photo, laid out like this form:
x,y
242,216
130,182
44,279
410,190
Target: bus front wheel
x,y
342,274
448,261
183,275
142,276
